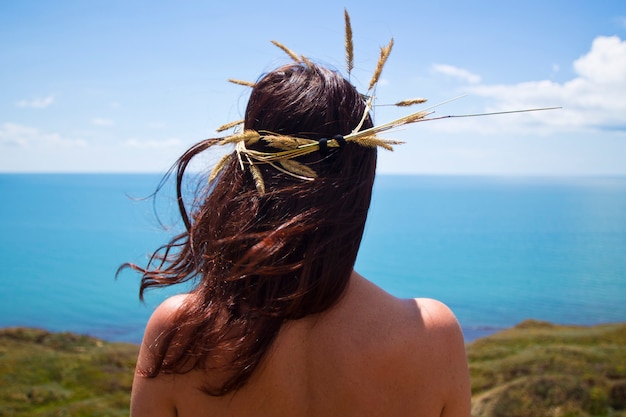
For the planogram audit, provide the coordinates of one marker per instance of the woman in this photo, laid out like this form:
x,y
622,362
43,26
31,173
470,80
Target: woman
x,y
279,323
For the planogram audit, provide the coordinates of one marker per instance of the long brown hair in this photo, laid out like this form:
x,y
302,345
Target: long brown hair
x,y
259,260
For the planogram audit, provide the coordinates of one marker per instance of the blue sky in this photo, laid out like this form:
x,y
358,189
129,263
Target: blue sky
x,y
126,86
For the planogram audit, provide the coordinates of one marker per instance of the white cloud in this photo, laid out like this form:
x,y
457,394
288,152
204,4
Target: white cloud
x,y
153,144
605,63
12,134
99,121
37,103
456,72
593,100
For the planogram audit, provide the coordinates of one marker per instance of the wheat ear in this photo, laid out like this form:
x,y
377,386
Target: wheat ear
x,y
256,175
308,63
384,54
288,51
406,103
230,125
241,82
249,136
298,169
349,44
218,168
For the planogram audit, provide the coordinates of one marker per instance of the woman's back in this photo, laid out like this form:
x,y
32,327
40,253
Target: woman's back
x,y
277,323
370,355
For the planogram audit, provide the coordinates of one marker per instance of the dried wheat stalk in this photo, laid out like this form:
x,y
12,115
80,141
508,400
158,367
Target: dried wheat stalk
x,y
407,103
230,125
349,43
384,54
241,82
288,51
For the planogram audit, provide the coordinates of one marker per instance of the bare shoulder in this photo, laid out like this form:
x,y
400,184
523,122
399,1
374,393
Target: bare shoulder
x,y
446,355
152,396
429,327
417,351
161,320
438,318
163,313
160,324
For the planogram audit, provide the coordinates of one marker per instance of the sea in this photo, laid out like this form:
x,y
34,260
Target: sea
x,y
496,250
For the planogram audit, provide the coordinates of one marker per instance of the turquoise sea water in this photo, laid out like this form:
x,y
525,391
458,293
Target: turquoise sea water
x,y
496,250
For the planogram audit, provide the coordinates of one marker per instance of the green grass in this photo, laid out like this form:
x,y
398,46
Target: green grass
x,y
532,370
63,374
539,369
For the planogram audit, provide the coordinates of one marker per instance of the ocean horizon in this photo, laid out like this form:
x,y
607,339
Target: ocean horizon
x,y
497,250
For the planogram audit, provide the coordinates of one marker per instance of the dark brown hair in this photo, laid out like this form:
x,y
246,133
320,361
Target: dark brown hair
x,y
259,260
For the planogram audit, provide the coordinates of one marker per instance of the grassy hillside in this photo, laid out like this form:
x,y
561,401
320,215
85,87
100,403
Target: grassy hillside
x,y
539,369
63,374
534,369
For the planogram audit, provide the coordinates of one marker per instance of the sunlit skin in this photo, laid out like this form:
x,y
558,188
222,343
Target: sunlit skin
x,y
371,354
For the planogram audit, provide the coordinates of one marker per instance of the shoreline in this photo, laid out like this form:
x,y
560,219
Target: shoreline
x,y
470,334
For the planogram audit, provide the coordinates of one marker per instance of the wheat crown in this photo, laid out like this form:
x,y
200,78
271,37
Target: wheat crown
x,y
290,147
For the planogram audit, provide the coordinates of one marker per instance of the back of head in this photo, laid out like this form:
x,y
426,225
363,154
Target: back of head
x,y
294,247
312,228
305,101
262,258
